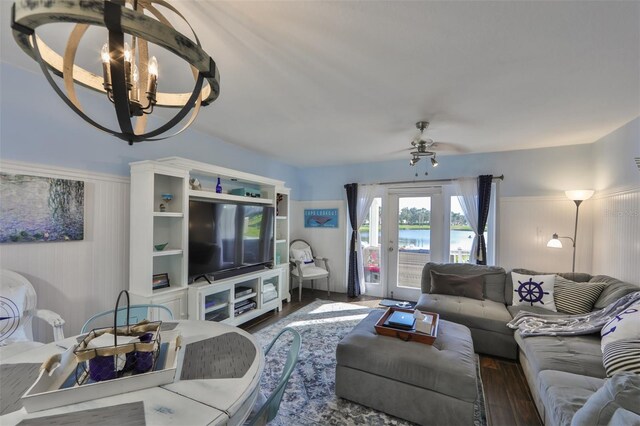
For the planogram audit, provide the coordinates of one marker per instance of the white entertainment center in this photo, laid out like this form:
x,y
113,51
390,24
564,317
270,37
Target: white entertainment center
x,y
160,275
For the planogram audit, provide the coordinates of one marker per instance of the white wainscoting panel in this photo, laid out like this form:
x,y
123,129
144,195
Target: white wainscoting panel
x,y
326,242
616,239
527,223
77,278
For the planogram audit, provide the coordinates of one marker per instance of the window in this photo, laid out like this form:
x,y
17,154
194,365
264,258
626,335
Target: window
x,y
461,235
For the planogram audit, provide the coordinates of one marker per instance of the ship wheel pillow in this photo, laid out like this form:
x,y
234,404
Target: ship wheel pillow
x,y
533,290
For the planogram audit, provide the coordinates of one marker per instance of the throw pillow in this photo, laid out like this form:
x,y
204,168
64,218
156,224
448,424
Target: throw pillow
x,y
622,355
622,326
11,304
533,290
304,256
575,298
457,285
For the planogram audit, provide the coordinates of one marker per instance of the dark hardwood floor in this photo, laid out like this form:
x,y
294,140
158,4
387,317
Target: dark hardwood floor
x,y
507,397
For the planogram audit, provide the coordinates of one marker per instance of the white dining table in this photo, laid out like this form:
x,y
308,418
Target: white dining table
x,y
186,401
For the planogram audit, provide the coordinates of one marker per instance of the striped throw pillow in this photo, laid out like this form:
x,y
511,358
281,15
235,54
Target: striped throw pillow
x,y
575,298
622,355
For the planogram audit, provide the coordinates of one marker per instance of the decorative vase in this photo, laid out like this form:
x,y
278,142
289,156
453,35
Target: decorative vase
x,y
218,187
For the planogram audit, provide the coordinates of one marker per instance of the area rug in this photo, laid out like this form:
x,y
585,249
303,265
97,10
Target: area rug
x,y
310,395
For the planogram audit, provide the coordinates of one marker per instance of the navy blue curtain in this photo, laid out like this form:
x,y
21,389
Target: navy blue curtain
x,y
484,200
353,281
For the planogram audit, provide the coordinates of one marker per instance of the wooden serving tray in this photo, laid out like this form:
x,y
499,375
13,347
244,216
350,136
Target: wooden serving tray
x,y
408,335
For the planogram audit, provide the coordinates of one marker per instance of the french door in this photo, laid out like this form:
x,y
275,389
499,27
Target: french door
x,y
414,236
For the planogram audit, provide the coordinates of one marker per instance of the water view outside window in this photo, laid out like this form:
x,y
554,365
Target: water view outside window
x,y
414,239
461,235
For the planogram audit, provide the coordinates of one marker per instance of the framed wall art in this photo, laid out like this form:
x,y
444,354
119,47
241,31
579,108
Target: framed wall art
x,y
320,218
40,209
160,281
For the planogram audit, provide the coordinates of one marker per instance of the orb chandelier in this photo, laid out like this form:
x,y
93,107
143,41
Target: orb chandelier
x,y
130,78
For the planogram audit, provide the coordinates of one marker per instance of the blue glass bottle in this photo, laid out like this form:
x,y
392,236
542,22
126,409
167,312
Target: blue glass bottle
x,y
218,187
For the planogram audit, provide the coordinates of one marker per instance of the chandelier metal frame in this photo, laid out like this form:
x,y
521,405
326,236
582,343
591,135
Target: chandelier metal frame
x,y
27,15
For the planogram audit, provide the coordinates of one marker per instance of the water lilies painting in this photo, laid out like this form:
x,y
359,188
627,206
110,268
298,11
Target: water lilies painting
x,y
39,209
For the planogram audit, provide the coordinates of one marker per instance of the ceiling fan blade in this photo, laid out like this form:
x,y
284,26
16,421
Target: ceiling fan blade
x,y
449,147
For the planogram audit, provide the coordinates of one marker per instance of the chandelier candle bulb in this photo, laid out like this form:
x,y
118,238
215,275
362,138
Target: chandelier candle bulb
x,y
106,67
152,85
134,86
127,52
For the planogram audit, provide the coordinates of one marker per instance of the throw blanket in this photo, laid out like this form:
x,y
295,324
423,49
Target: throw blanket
x,y
531,324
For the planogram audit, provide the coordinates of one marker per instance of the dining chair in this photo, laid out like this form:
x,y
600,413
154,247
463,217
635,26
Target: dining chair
x,y
266,409
137,313
305,265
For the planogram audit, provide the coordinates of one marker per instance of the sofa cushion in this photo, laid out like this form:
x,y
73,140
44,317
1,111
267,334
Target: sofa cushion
x,y
563,394
613,291
620,392
494,277
573,354
575,298
479,314
471,286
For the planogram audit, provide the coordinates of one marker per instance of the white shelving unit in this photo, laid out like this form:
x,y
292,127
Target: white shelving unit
x,y
151,225
228,197
217,301
282,237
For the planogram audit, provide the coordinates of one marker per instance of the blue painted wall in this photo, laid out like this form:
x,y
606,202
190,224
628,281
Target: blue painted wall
x,y
534,172
38,132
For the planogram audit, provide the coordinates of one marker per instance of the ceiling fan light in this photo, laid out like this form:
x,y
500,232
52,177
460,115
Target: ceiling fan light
x,y
434,162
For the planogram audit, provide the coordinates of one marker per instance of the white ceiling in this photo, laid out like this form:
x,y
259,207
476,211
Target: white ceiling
x,y
324,83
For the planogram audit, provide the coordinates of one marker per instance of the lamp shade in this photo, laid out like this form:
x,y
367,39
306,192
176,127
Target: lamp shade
x,y
579,194
554,242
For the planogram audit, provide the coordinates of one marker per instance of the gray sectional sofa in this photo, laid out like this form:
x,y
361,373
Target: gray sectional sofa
x,y
562,371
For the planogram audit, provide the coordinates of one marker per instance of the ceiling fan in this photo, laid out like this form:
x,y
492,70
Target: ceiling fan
x,y
422,147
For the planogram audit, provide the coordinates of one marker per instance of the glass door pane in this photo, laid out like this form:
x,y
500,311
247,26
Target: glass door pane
x,y
370,238
414,237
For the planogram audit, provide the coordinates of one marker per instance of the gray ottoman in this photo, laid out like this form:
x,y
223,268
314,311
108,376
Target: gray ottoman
x,y
421,383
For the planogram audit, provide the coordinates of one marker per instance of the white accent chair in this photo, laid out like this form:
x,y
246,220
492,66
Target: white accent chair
x,y
18,301
305,265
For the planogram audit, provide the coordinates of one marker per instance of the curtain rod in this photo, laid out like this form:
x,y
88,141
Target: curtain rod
x,y
501,177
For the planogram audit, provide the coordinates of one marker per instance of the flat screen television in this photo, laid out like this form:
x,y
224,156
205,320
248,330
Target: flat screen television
x,y
227,239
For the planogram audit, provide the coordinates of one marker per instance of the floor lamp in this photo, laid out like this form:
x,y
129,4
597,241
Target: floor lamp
x,y
578,196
